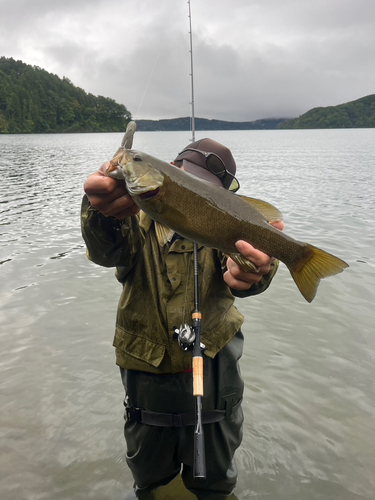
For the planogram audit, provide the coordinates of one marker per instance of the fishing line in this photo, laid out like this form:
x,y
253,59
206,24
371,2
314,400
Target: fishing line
x,y
148,83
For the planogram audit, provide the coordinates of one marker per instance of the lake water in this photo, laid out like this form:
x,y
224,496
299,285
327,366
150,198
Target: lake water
x,y
309,369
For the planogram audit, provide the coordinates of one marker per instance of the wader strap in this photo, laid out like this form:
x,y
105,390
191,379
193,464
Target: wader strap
x,y
175,419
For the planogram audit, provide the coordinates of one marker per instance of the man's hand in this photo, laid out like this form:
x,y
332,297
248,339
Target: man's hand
x,y
109,196
237,278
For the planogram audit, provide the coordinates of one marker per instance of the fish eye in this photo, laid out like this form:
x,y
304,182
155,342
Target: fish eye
x,y
137,158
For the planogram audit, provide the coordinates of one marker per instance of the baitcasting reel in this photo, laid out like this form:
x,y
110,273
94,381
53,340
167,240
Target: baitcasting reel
x,y
186,337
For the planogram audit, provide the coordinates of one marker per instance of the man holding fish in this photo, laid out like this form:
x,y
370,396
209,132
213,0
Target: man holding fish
x,y
149,241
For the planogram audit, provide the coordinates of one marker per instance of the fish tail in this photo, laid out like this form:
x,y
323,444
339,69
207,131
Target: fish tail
x,y
316,265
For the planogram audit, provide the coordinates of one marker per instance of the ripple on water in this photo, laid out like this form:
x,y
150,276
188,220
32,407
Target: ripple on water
x,y
308,368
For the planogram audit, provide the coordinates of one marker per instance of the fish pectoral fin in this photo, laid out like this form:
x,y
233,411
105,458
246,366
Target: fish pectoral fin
x,y
244,263
163,233
144,221
271,213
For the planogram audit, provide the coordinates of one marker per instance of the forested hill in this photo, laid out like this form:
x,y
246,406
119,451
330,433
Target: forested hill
x,y
354,114
174,124
33,100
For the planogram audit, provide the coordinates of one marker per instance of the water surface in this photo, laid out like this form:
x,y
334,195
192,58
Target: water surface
x,y
309,368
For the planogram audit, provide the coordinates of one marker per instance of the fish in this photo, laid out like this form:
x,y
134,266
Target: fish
x,y
211,216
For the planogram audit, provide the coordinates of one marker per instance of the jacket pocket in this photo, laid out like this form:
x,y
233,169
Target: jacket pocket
x,y
139,347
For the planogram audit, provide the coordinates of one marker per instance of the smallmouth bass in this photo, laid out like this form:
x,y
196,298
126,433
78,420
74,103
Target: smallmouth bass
x,y
210,215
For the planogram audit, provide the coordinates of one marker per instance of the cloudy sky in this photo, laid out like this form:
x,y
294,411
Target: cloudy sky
x,y
252,58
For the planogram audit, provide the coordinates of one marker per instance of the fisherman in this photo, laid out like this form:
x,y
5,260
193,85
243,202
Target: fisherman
x,y
158,297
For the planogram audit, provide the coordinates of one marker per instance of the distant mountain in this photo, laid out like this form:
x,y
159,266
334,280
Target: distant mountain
x,y
354,114
178,124
33,100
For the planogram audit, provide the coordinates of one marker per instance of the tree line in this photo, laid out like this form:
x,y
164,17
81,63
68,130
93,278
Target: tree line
x,y
354,114
177,124
35,101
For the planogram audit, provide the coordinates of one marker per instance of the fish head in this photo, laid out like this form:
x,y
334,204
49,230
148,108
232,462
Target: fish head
x,y
141,177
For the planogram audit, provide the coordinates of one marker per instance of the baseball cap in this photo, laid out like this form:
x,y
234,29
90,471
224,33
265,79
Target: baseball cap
x,y
211,161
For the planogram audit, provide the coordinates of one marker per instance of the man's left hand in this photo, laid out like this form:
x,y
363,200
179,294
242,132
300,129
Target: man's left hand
x,y
236,277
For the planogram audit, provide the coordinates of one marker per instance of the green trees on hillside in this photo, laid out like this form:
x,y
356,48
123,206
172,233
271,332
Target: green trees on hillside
x,y
35,101
354,114
184,123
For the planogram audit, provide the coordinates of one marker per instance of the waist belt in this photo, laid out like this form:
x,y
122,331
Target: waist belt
x,y
177,419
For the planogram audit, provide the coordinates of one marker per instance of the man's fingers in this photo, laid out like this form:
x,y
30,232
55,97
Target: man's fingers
x,y
101,184
114,207
104,167
129,212
240,274
239,279
278,225
98,183
257,257
104,202
237,284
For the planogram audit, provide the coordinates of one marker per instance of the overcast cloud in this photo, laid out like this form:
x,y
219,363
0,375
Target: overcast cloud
x,y
252,58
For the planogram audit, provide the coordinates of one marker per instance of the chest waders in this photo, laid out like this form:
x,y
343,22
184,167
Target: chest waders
x,y
189,339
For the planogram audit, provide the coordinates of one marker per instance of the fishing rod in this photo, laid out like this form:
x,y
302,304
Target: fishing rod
x,y
199,469
191,77
189,339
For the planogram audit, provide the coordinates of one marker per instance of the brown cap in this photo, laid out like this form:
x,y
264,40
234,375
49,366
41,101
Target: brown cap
x,y
218,168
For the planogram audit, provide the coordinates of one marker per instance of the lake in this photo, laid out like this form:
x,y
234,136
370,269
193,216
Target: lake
x,y
309,369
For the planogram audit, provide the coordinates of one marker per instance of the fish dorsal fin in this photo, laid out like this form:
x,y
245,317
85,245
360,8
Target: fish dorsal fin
x,y
127,141
244,263
271,213
163,233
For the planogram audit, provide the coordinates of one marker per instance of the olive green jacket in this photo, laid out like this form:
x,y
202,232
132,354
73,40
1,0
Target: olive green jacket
x,y
158,291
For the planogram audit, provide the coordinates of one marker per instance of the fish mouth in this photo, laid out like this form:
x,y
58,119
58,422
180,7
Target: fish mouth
x,y
114,170
149,194
141,178
112,167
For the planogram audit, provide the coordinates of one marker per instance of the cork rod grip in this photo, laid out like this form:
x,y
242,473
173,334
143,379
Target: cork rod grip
x,y
198,376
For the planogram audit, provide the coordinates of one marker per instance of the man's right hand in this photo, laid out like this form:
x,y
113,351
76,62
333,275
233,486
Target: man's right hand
x,y
109,196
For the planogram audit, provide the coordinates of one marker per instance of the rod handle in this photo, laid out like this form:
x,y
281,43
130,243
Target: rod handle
x,y
198,376
199,466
